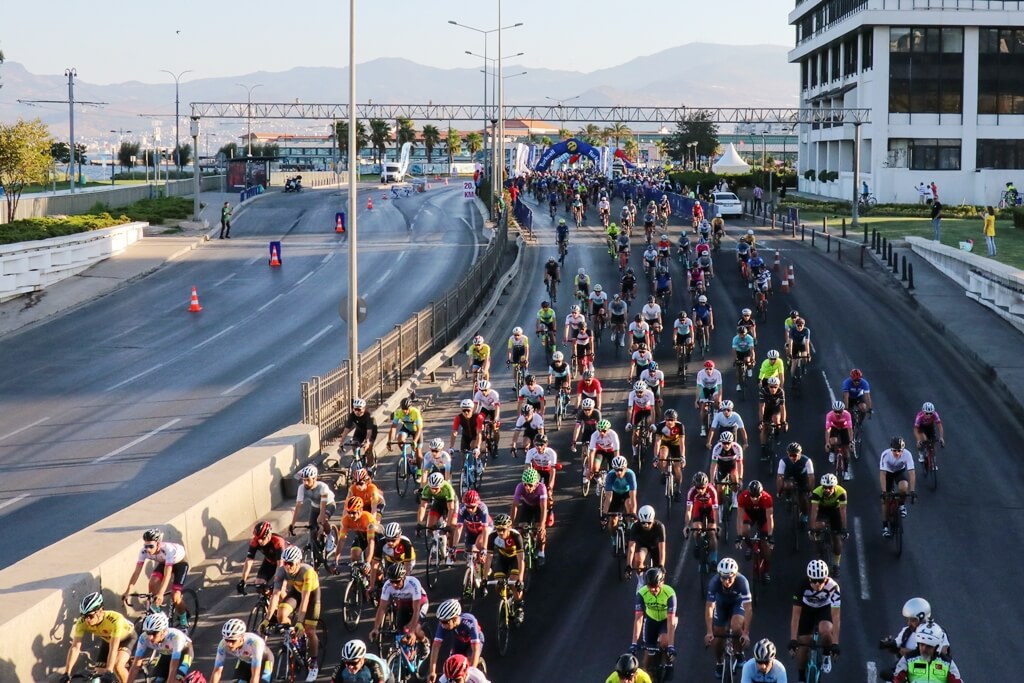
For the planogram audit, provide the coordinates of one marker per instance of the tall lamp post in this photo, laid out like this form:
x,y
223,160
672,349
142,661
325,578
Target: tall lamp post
x,y
561,103
120,136
248,113
693,153
493,73
764,161
177,143
353,280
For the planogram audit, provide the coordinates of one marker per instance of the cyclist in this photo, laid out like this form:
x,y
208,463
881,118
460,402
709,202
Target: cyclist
x,y
470,423
506,555
683,246
480,358
359,666
577,210
664,209
573,321
651,313
437,502
654,619
407,423
742,254
627,670
363,488
271,545
589,386
728,420
746,320
604,446
532,394
763,668
645,543
795,477
587,417
475,520
582,282
728,608
706,265
663,288
559,374
791,320
546,317
394,548
618,309
828,506
553,205
363,525
857,394
640,406
664,250
670,447
709,385
771,409
364,432
116,634
702,512
458,670
622,246
926,424
702,248
530,423
755,264
174,648
683,327
650,260
703,316
487,403
627,285
896,474
698,215
762,283
254,660
743,349
918,614
815,608
598,305
798,344
838,432
544,459
928,664
562,234
726,466
583,348
772,366
640,360
604,208
437,459
314,502
624,215
655,380
552,272
639,332
169,572
411,605
758,511
518,346
650,216
619,492
529,506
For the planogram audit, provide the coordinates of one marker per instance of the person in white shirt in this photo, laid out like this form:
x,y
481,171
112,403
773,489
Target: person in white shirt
x,y
572,323
486,401
604,445
896,472
639,332
652,314
709,388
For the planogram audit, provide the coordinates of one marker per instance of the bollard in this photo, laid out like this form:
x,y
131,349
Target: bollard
x,y
874,241
895,262
844,227
865,233
812,236
802,234
863,248
793,227
910,276
903,268
824,224
828,243
885,249
839,250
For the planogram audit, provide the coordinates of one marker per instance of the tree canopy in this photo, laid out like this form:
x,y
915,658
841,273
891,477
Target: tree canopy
x,y
24,158
474,142
454,143
380,136
431,136
341,135
696,127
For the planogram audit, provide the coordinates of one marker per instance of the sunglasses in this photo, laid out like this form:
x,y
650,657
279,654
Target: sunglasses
x,y
816,581
397,582
232,641
453,619
353,665
150,546
620,470
291,564
152,633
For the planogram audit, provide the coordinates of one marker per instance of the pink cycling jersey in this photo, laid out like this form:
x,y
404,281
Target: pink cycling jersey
x,y
841,421
924,419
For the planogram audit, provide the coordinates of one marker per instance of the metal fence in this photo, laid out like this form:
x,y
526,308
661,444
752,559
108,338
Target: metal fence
x,y
392,359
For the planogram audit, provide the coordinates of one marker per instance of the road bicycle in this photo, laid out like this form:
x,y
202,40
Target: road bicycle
x,y
561,405
792,507
728,503
552,284
761,304
94,672
703,340
662,665
623,260
314,549
683,352
437,550
773,446
894,518
931,463
563,249
708,414
598,324
670,485
744,377
490,439
406,659
507,617
346,474
186,621
405,468
822,540
799,371
596,480
858,431
758,563
702,551
357,595
812,670
472,473
619,533
838,454
292,660
732,657
531,548
259,612
472,578
642,442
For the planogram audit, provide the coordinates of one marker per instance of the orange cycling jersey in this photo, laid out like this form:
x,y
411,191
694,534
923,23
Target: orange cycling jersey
x,y
365,523
369,494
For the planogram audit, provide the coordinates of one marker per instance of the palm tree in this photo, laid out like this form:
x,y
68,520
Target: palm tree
x,y
341,135
631,149
454,144
662,148
406,132
617,131
474,143
564,134
591,133
380,136
545,141
431,136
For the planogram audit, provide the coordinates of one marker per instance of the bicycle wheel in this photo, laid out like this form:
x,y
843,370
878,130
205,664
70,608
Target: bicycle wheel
x,y
352,605
620,551
795,526
191,601
256,616
931,472
283,665
402,475
670,485
704,576
396,665
897,535
585,487
433,565
504,626
558,413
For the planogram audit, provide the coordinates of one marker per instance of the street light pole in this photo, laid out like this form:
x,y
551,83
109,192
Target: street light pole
x,y
248,114
561,103
71,73
120,135
177,142
353,280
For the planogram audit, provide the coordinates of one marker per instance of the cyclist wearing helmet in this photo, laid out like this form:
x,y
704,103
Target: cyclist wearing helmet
x,y
771,410
645,540
795,476
582,283
533,393
763,667
757,510
651,313
798,343
459,628
618,309
670,447
552,271
438,505
314,503
650,259
918,615
772,366
589,386
573,321
479,357
627,284
728,420
169,571
640,409
926,423
587,417
838,433
598,305
518,352
703,248
742,253
654,618
828,506
683,246
683,339
928,664
530,423
639,333
664,250
702,512
703,315
698,215
896,474
705,263
254,660
755,264
506,557
857,394
743,349
393,548
627,670
530,506
458,670
698,286
363,487
746,320
470,423
544,459
437,459
654,378
407,423
475,521
619,492
271,545
172,646
364,432
726,466
116,634
709,392
583,348
640,360
728,606
410,599
359,666
363,525
815,608
487,403
788,322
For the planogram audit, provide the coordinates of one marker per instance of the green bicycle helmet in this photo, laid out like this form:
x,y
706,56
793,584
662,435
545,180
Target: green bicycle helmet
x,y
603,425
530,476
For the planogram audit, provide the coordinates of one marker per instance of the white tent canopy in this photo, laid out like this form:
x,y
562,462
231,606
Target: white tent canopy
x,y
730,162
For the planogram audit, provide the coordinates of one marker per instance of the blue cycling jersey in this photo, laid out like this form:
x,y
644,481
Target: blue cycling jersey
x,y
858,390
562,231
752,674
466,633
742,344
620,485
756,263
663,282
702,311
742,247
738,592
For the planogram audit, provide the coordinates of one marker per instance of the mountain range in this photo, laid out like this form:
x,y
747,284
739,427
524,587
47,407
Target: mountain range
x,y
695,74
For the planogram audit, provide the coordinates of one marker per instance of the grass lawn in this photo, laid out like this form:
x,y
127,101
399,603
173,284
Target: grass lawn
x,y
1009,240
64,185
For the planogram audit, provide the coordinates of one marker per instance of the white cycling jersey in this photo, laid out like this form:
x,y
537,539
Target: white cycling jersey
x,y
412,591
683,327
442,460
719,454
252,651
733,422
607,442
473,675
639,330
651,255
642,358
574,320
644,401
655,379
543,460
890,463
598,299
651,312
533,395
710,379
488,400
536,422
166,552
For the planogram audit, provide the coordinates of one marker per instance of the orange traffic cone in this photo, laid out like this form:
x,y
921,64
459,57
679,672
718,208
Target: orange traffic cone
x,y
275,262
369,203
384,197
193,305
338,227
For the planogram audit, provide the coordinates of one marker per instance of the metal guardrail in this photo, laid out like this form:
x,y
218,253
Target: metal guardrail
x,y
394,357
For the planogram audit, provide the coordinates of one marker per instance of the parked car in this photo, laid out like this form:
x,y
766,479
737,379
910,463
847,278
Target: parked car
x,y
727,203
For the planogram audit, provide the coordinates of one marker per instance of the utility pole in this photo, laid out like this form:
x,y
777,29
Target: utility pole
x,y
177,142
353,170
71,73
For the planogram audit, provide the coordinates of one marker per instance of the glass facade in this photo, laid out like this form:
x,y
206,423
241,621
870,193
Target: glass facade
x,y
931,154
1007,154
926,70
1000,71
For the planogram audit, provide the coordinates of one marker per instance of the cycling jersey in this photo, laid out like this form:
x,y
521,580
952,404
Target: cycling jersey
x,y
399,550
891,463
166,553
671,435
545,316
924,419
737,593
658,607
475,522
560,371
363,425
598,300
639,330
437,462
756,264
643,401
319,494
574,320
755,507
663,282
508,546
411,592
537,497
702,312
445,494
628,283
112,625
641,677
834,500
368,493
607,442
651,255
588,423
709,379
683,328
654,381
697,499
771,368
533,395
534,424
589,389
772,400
409,420
752,674
748,323
374,670
825,595
174,643
798,470
841,420
480,353
488,401
543,460
620,484
466,633
651,312
743,343
856,390
724,456
252,651
799,337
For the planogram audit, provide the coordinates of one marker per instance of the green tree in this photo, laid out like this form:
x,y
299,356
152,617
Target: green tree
x,y
564,133
229,151
431,136
617,131
474,143
267,149
406,132
630,149
183,153
1,62
380,136
126,152
24,158
341,135
591,133
60,152
454,142
696,127
545,141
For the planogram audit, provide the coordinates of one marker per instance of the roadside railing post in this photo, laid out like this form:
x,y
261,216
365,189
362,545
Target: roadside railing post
x,y
828,243
863,248
910,276
401,359
865,233
824,224
802,234
844,227
903,268
895,261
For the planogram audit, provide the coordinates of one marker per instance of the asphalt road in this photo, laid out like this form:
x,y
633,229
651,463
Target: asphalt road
x,y
579,615
105,405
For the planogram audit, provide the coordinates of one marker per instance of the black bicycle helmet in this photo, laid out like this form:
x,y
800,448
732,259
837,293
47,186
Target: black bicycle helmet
x,y
627,665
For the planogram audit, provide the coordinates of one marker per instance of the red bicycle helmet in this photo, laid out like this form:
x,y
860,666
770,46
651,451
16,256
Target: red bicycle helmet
x,y
456,667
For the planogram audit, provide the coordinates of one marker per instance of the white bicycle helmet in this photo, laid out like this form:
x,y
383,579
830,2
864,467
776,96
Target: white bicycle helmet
x,y
772,355
728,567
557,357
917,608
817,570
449,609
435,480
233,628
774,381
466,403
645,515
928,635
829,480
575,308
478,340
764,651
726,437
581,271
727,405
155,623
702,299
517,330
746,312
619,463
292,554
353,650
484,385
436,444
308,472
358,403
392,530
587,404
598,288
640,386
928,407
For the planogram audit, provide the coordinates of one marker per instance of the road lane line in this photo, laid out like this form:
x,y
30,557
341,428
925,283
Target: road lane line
x,y
248,379
304,278
678,569
872,673
122,449
121,334
862,562
831,394
135,377
13,501
25,428
267,305
317,336
223,280
327,258
253,260
222,332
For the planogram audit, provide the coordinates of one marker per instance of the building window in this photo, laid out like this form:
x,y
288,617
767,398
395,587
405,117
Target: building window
x,y
1008,154
850,56
823,67
813,68
835,62
1001,71
930,154
804,79
926,70
867,50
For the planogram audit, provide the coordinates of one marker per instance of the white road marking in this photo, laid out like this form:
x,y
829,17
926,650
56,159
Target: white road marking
x,y
317,336
13,501
862,561
872,673
677,572
248,379
222,332
304,278
25,428
327,258
267,305
121,334
122,449
135,377
223,280
253,260
831,394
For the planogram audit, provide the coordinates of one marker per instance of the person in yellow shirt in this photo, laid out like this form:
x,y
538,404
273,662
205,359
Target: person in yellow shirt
x,y
989,229
116,633
772,367
627,670
480,358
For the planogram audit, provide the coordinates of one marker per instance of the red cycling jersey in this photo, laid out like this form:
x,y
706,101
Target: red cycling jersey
x,y
701,502
591,389
755,510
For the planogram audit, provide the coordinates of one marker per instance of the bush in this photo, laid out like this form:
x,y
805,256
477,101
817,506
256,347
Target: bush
x,y
1018,216
810,175
32,229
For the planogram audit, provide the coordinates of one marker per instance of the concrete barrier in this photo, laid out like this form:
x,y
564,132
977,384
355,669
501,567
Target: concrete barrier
x,y
32,266
39,596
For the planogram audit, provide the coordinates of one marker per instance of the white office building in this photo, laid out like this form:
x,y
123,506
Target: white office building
x,y
944,82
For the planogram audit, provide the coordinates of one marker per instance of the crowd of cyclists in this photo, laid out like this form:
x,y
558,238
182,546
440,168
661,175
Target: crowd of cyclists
x,y
729,515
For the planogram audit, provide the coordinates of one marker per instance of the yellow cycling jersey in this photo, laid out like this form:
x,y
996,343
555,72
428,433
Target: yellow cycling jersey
x,y
546,316
112,625
410,419
770,369
656,607
641,677
835,500
480,353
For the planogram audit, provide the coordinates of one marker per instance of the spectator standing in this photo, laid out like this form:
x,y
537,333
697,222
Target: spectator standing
x,y
989,229
935,192
922,193
225,221
758,194
936,219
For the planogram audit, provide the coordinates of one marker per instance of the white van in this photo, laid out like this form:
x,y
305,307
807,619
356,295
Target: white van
x,y
391,172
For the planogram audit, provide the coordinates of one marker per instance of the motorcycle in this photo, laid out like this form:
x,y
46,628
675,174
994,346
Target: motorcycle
x,y
293,184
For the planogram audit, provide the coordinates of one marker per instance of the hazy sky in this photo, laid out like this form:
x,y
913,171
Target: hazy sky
x,y
111,41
